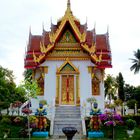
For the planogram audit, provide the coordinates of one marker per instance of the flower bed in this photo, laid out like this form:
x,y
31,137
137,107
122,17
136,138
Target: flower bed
x,y
17,126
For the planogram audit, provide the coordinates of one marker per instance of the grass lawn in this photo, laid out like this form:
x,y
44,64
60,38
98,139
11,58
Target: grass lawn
x,y
120,134
13,130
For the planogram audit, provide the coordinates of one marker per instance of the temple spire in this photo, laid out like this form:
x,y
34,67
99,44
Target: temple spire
x,y
68,4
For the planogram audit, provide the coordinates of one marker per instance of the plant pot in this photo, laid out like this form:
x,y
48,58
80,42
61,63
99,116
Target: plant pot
x,y
69,132
130,133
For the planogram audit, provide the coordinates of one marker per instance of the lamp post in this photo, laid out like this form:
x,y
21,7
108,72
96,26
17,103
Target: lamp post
x,y
27,111
29,127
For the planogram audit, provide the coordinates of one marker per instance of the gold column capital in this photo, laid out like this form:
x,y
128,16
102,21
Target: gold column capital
x,y
46,69
90,69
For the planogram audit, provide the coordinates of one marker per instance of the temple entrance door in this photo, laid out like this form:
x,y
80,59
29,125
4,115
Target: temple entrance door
x,y
67,90
67,84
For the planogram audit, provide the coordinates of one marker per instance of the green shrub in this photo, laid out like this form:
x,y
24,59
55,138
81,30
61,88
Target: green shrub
x,y
32,119
5,120
131,103
23,133
136,118
130,124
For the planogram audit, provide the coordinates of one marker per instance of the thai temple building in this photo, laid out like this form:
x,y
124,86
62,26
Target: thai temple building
x,y
69,62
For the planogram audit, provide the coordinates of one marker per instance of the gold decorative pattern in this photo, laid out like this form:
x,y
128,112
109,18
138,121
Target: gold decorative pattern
x,y
57,89
40,80
67,37
67,90
39,75
68,71
67,45
43,50
33,74
64,89
75,70
102,74
68,17
92,53
89,69
37,59
74,58
95,86
77,91
46,69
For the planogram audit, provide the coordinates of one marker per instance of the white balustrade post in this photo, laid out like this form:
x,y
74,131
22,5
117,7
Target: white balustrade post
x,y
135,109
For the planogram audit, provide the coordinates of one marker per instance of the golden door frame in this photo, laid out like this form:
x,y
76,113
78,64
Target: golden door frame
x,y
61,71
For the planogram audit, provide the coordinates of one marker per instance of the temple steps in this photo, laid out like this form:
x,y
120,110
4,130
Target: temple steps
x,y
67,116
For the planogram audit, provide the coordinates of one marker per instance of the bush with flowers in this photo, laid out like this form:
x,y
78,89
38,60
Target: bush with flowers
x,y
18,120
17,104
32,120
26,111
111,119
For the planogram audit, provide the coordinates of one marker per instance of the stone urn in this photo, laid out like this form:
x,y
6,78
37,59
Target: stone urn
x,y
130,133
69,132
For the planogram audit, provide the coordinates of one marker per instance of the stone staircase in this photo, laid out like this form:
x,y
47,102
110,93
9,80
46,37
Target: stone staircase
x,y
67,116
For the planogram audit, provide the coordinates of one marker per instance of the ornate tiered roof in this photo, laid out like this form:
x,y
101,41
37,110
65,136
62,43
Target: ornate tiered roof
x,y
84,44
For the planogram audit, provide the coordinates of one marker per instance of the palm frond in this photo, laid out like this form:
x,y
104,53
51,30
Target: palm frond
x,y
136,62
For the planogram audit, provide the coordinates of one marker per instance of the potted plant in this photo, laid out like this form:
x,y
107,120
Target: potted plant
x,y
130,127
91,100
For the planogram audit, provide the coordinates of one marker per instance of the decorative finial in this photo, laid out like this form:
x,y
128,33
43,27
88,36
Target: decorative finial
x,y
94,33
107,28
94,25
43,26
107,33
30,30
86,19
68,4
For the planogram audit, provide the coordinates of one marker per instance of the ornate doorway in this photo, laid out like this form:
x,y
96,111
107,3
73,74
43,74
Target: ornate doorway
x,y
67,85
67,90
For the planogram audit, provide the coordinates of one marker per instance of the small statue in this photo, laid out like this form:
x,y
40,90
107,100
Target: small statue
x,y
95,110
41,111
41,121
95,121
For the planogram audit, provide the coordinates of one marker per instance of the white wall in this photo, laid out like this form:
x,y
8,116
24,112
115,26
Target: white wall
x,y
84,83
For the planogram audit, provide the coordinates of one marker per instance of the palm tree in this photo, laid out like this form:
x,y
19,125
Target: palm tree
x,y
136,62
110,87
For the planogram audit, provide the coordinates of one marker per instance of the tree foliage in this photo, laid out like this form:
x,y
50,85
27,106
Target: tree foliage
x,y
28,74
31,88
129,91
120,82
8,90
131,103
137,95
7,85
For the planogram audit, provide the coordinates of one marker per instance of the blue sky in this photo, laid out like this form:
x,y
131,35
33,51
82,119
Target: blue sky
x,y
122,17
